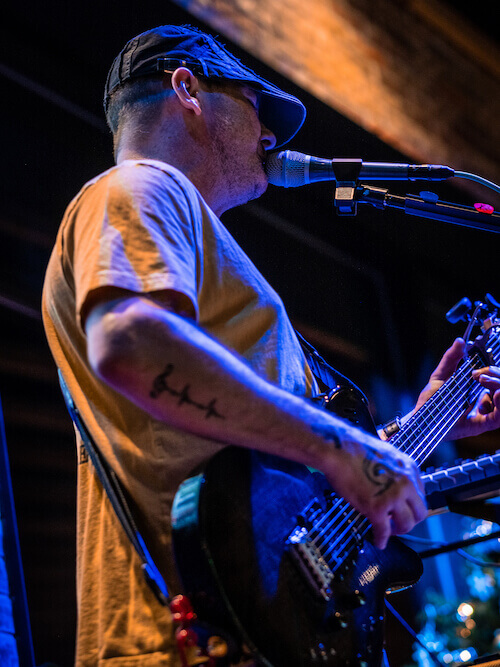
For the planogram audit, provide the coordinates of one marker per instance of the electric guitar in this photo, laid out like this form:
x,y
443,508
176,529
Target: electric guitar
x,y
273,560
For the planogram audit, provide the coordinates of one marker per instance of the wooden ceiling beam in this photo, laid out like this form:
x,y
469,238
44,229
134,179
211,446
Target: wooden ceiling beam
x,y
412,72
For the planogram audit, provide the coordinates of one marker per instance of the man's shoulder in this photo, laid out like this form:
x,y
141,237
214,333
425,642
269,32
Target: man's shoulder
x,y
149,188
141,181
143,173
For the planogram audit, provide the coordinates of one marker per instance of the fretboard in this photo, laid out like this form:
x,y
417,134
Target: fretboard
x,y
429,425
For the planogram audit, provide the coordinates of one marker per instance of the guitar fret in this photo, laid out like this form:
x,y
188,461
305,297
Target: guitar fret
x,y
427,427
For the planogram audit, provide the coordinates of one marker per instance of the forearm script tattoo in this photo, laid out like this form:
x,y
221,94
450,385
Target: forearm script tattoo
x,y
160,385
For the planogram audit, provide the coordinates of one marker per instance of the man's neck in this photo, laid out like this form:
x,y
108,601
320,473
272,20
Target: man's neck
x,y
194,169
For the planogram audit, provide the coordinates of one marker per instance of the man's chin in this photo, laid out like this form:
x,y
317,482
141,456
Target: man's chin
x,y
250,194
259,189
262,186
258,186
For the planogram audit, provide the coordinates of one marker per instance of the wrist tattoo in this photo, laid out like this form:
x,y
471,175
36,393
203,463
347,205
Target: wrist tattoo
x,y
160,385
329,434
378,473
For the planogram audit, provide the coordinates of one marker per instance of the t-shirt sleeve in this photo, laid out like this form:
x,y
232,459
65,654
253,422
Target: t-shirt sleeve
x,y
138,229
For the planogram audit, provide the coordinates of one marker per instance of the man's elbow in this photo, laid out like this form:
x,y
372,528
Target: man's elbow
x,y
123,338
111,346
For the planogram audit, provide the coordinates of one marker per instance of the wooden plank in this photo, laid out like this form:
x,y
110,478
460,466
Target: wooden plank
x,y
413,73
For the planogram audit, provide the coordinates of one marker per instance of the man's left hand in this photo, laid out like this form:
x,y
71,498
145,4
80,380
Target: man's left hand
x,y
484,415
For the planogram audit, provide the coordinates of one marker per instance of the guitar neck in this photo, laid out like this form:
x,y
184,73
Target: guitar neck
x,y
430,424
468,480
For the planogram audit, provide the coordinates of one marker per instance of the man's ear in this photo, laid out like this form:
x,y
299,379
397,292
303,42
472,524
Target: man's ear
x,y
186,87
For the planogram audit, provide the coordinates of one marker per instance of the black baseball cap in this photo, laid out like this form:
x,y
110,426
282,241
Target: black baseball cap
x,y
167,47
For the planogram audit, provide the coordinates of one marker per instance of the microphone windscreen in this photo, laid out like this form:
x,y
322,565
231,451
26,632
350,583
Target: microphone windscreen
x,y
287,169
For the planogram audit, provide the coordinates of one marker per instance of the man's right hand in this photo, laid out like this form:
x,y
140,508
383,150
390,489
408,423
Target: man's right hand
x,y
380,482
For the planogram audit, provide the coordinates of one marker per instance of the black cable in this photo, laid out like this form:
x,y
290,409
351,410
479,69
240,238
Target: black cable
x,y
412,633
460,552
455,546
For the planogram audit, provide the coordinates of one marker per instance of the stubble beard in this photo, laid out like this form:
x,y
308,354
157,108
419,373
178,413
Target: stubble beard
x,y
242,175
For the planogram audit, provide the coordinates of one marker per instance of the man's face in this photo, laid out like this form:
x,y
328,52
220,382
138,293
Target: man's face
x,y
239,142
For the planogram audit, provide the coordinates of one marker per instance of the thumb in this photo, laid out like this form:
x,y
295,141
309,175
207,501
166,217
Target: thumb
x,y
449,361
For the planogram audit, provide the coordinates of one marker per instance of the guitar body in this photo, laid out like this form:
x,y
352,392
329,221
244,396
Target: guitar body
x,y
234,558
272,560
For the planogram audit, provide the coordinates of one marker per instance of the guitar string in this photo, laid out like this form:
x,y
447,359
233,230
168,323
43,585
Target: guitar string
x,y
473,390
443,422
478,363
333,555
362,529
445,426
426,413
494,348
364,525
345,524
329,524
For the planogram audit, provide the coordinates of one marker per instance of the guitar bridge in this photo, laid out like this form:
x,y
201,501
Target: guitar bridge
x,y
312,565
307,556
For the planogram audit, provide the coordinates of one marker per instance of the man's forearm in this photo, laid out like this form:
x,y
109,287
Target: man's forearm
x,y
178,374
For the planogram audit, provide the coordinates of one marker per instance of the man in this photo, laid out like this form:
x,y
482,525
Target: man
x,y
171,342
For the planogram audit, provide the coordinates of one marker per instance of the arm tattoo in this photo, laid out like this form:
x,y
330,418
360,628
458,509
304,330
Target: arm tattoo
x,y
378,473
160,384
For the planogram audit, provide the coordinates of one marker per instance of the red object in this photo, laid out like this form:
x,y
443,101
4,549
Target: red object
x,y
484,208
187,639
182,609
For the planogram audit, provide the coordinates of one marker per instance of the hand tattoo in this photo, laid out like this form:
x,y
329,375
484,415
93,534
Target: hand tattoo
x,y
378,473
160,384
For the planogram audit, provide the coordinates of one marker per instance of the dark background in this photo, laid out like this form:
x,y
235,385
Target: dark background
x,y
370,290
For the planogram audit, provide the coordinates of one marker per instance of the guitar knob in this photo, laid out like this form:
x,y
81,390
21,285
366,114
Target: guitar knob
x,y
353,600
360,598
339,621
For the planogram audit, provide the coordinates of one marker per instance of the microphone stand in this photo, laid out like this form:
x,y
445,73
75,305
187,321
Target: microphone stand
x,y
427,205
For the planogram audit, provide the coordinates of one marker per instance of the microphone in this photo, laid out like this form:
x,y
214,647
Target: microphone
x,y
291,169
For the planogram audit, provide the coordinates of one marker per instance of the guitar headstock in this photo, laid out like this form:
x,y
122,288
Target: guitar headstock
x,y
485,315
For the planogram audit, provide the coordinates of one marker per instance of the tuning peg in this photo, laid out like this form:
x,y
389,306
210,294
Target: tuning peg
x,y
491,301
460,311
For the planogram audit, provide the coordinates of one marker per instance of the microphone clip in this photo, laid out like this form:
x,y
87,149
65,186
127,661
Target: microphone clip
x,y
347,173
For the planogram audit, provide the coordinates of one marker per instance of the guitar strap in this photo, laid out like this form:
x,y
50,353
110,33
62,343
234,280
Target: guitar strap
x,y
117,497
329,379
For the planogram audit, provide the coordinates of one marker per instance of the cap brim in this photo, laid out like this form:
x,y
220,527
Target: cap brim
x,y
282,114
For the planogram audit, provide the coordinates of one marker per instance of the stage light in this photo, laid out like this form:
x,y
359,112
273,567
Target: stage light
x,y
464,611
